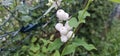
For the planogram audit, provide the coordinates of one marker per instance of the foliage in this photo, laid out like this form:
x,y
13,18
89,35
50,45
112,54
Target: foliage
x,y
116,1
112,41
88,18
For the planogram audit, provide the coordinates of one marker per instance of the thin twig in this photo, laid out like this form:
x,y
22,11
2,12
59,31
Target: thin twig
x,y
48,21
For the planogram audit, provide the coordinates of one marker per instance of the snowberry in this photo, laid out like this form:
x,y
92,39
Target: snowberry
x,y
62,15
69,34
68,26
64,38
58,26
63,31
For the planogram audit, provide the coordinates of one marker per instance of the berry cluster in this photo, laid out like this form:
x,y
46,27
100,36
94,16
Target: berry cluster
x,y
64,29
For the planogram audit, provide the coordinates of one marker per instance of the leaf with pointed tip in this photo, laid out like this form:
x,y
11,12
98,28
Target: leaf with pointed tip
x,y
73,22
82,16
57,53
82,42
68,49
55,45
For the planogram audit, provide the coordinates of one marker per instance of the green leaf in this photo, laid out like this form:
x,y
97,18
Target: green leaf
x,y
82,42
89,47
73,22
57,53
46,42
68,49
24,48
44,49
24,9
116,1
31,53
26,18
82,16
35,48
78,42
16,54
55,45
33,39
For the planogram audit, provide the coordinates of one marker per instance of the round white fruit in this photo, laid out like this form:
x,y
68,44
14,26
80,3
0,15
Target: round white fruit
x,y
62,15
63,38
70,34
58,26
63,31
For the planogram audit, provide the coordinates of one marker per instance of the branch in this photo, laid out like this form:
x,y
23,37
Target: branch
x,y
48,21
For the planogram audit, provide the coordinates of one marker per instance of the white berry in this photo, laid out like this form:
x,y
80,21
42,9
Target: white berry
x,y
62,15
64,38
63,31
58,26
69,34
66,16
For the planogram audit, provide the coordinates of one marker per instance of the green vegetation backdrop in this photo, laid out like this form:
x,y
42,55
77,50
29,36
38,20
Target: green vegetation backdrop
x,y
92,38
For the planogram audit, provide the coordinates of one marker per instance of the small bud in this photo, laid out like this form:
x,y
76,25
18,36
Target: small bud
x,y
64,38
68,26
63,31
69,34
58,26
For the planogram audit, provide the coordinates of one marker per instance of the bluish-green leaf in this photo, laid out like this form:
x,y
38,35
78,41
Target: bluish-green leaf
x,y
82,42
82,15
73,22
89,47
78,42
26,18
55,45
68,49
57,53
